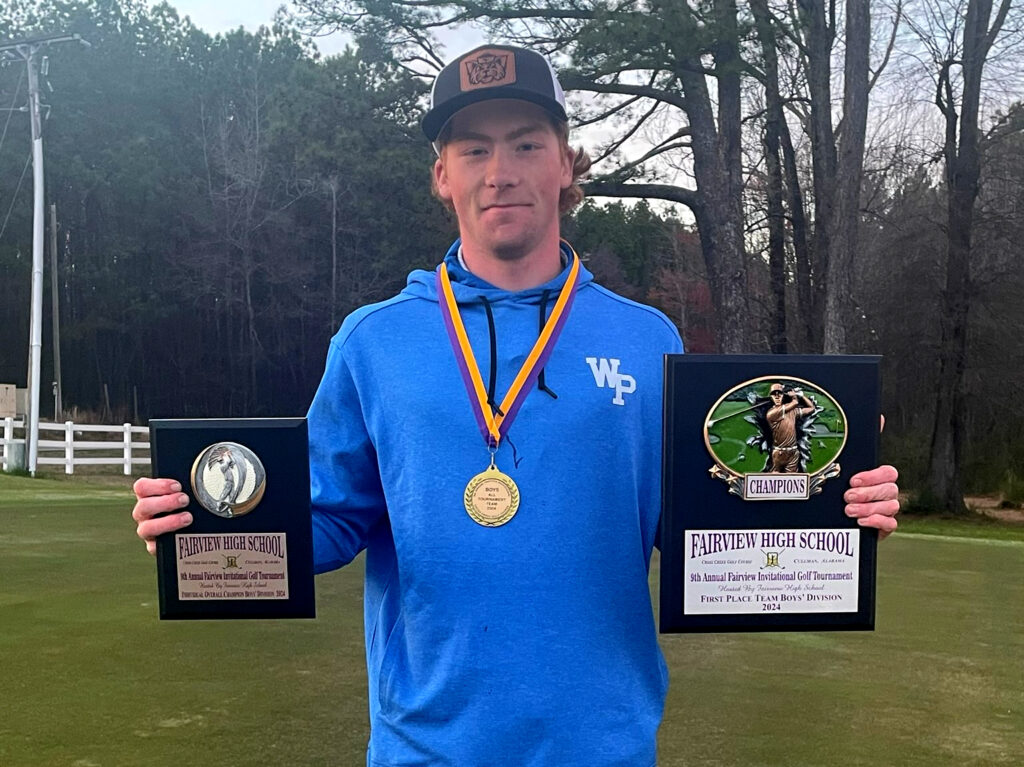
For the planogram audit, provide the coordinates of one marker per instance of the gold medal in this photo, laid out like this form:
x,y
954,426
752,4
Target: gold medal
x,y
491,498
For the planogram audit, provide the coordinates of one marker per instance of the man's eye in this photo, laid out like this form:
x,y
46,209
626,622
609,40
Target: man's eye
x,y
529,146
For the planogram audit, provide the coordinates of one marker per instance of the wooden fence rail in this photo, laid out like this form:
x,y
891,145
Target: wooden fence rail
x,y
72,444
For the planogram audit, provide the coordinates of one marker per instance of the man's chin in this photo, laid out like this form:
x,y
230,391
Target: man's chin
x,y
511,251
514,246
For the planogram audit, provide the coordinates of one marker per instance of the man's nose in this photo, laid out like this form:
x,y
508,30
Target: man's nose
x,y
501,169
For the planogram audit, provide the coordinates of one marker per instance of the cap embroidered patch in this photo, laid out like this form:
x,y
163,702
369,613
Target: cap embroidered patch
x,y
492,71
488,68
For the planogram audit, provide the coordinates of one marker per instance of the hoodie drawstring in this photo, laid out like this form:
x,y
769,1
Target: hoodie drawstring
x,y
493,337
540,329
494,356
492,378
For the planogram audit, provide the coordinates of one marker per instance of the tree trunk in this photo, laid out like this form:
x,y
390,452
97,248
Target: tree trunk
x,y
716,163
818,39
945,483
963,170
333,183
801,249
839,305
251,335
776,214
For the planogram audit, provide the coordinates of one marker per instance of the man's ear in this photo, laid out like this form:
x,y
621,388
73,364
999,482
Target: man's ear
x,y
441,181
568,159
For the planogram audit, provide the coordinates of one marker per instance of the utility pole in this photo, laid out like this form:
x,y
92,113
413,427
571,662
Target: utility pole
x,y
58,401
28,50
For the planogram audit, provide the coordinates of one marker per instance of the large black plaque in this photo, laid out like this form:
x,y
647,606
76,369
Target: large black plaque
x,y
758,451
249,550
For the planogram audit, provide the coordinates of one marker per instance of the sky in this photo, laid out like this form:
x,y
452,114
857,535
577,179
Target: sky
x,y
228,14
215,16
225,15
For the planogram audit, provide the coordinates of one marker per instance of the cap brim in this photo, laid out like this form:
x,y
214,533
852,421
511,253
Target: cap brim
x,y
434,120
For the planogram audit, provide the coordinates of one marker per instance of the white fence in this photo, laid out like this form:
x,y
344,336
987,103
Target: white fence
x,y
67,450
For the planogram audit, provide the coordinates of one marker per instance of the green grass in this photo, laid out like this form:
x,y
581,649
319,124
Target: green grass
x,y
91,677
975,526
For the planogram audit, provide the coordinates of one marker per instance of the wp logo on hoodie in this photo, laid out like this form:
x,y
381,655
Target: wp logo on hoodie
x,y
607,375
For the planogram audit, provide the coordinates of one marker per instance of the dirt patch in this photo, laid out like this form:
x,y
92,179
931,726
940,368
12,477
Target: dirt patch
x,y
991,506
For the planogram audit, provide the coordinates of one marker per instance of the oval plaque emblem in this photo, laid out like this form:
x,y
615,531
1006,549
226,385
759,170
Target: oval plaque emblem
x,y
775,438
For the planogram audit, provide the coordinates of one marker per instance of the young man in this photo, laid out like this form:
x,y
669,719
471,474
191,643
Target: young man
x,y
475,434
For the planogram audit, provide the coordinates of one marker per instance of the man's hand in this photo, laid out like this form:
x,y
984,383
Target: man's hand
x,y
873,499
158,496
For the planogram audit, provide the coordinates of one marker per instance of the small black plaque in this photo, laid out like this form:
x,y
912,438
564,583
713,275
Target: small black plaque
x,y
758,451
249,550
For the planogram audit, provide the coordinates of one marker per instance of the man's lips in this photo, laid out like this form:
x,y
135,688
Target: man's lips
x,y
503,205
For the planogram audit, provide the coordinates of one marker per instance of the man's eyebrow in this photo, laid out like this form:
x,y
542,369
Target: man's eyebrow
x,y
459,135
520,132
468,136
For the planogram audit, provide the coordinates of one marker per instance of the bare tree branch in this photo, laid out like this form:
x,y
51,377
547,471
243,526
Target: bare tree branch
x,y
888,48
614,146
572,81
608,112
687,197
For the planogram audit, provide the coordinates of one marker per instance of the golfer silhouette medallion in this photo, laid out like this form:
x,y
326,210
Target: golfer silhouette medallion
x,y
775,438
228,479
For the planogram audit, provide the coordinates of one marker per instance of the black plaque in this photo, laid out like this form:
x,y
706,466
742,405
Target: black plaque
x,y
249,550
758,452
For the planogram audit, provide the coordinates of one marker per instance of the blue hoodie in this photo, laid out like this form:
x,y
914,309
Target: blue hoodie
x,y
530,644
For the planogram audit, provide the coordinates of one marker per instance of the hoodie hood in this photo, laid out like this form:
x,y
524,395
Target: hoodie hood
x,y
468,288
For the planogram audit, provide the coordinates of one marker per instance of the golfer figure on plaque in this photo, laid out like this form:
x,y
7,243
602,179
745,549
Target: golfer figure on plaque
x,y
787,422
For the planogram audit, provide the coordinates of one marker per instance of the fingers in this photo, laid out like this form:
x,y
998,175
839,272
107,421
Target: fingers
x,y
152,528
147,508
883,523
885,492
881,422
879,476
145,487
873,499
158,496
861,511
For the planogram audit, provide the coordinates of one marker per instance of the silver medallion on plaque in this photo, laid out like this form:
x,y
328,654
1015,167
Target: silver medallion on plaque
x,y
228,479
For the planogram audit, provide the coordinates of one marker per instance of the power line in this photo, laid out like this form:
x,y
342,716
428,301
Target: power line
x,y
10,113
10,110
28,161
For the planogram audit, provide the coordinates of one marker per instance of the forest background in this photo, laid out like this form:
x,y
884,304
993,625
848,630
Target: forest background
x,y
800,177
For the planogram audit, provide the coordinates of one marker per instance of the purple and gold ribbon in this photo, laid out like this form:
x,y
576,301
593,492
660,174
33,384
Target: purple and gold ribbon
x,y
494,425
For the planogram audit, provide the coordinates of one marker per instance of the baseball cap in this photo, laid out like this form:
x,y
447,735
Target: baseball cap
x,y
492,72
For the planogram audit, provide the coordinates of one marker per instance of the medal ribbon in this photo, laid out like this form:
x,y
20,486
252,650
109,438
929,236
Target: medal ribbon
x,y
493,426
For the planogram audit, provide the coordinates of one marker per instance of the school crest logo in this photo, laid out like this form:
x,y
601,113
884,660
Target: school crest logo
x,y
488,69
771,559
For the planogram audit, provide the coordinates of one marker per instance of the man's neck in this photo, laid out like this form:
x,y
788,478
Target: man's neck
x,y
523,273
